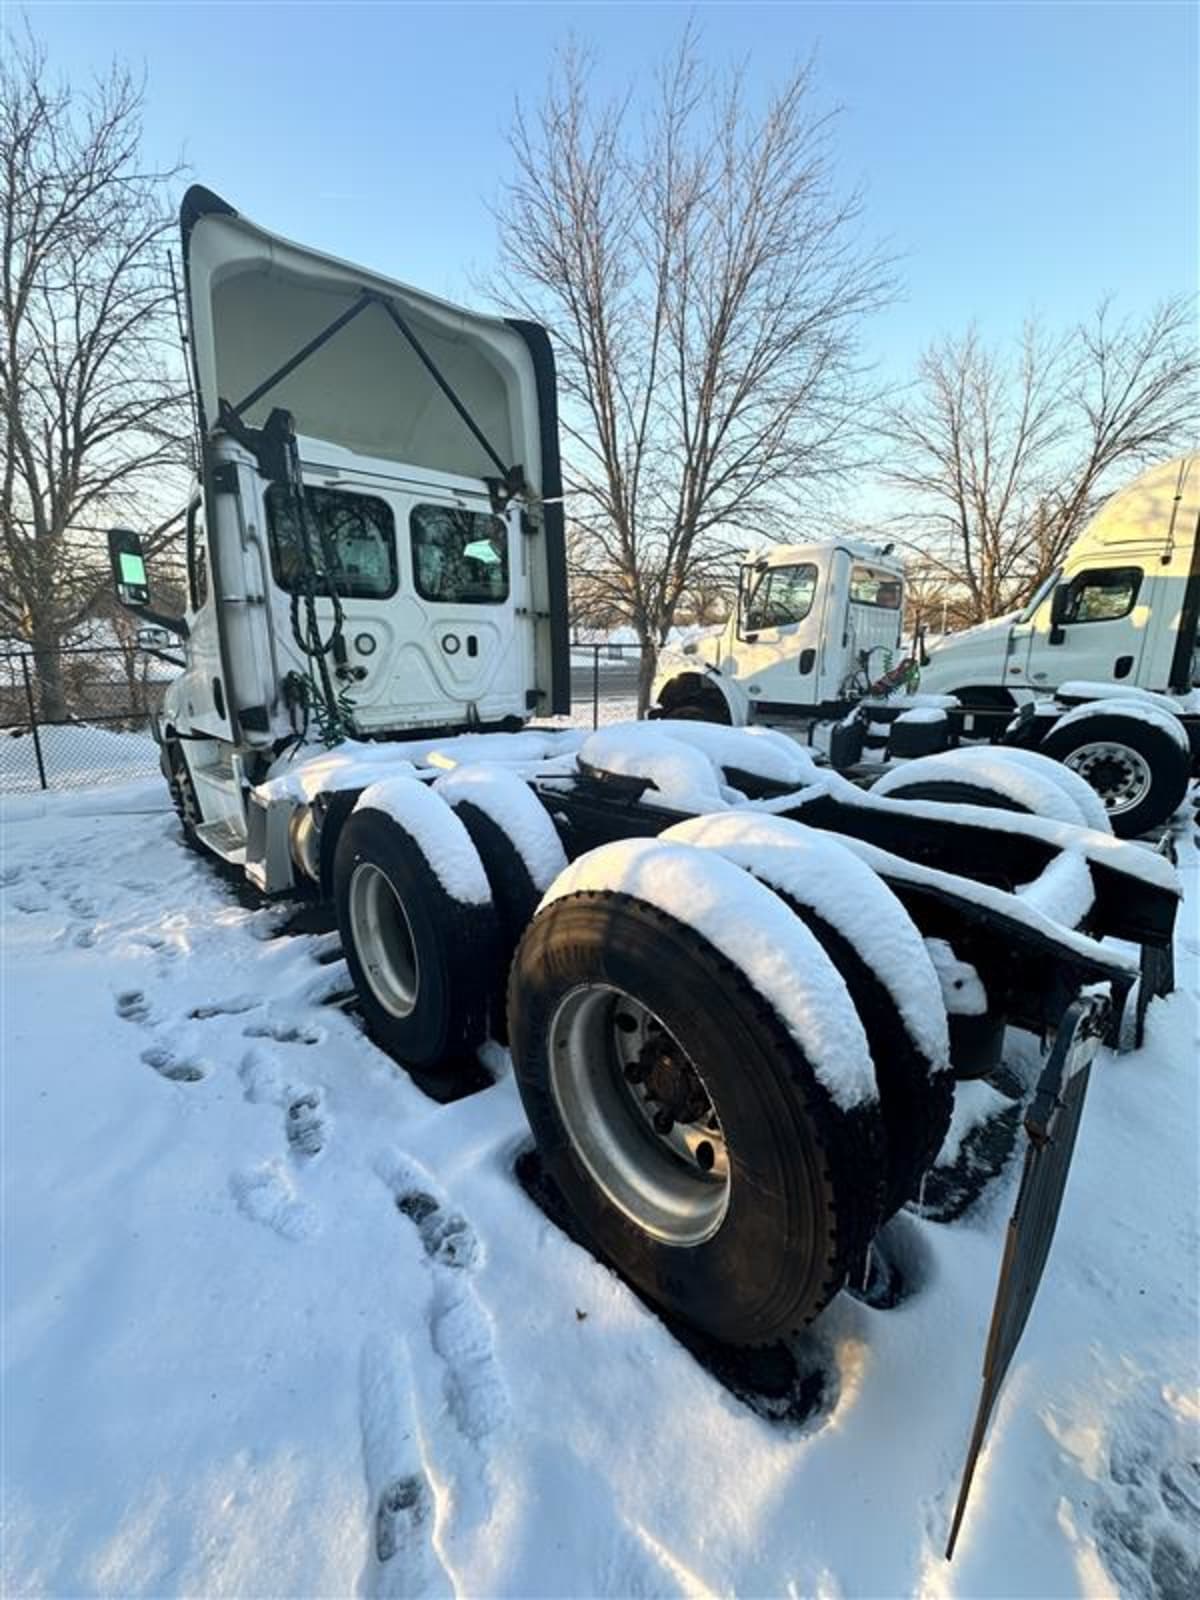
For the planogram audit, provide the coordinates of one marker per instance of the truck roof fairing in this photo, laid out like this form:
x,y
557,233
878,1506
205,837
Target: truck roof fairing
x,y
255,300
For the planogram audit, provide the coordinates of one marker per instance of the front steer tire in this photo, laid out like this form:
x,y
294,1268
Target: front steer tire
x,y
805,1185
415,953
1150,753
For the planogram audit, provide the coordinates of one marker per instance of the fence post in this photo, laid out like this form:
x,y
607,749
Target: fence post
x,y
33,722
595,686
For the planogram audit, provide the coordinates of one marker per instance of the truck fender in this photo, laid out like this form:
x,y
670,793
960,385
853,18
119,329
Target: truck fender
x,y
681,681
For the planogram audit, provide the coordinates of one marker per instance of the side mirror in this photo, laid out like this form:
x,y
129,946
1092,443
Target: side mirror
x,y
128,567
132,584
1060,602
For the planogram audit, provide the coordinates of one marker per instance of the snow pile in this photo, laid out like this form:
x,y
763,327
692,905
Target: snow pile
x,y
443,840
305,772
680,777
813,869
922,715
684,760
963,993
516,811
1064,891
754,930
1136,709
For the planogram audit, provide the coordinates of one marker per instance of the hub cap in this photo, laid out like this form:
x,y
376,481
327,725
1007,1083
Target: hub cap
x,y
383,939
1119,775
638,1115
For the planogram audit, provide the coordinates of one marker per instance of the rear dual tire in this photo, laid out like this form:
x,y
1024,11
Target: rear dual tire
x,y
415,953
804,1178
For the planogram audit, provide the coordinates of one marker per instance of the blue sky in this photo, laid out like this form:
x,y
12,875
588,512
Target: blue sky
x,y
1016,156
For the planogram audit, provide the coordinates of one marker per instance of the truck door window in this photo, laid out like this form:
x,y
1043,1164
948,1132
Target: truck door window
x,y
867,588
459,557
781,596
356,533
1103,595
197,557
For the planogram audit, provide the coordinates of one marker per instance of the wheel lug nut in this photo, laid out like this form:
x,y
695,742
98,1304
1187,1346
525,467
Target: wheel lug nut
x,y
663,1122
635,1072
705,1156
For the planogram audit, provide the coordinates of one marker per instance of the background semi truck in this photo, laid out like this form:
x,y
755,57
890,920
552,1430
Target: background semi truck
x,y
1098,671
738,990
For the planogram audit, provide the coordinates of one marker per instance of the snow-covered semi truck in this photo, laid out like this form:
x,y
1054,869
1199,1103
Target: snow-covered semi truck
x,y
738,990
1098,671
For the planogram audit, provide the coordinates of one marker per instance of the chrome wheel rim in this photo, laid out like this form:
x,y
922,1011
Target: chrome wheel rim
x,y
383,939
638,1115
1119,774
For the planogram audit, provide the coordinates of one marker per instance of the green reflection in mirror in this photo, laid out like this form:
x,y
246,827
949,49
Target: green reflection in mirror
x,y
133,570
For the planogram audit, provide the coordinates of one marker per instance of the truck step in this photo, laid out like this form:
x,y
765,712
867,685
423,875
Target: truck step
x,y
225,839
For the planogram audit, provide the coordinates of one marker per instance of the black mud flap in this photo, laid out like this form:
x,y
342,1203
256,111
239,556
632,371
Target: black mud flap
x,y
1051,1123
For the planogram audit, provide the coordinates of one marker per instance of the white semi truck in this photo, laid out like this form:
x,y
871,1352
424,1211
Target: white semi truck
x,y
1098,671
738,990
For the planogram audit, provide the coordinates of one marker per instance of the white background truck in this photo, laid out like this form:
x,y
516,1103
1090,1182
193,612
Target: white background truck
x,y
1098,671
738,990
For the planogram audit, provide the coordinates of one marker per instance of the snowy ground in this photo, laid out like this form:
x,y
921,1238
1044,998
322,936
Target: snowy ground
x,y
275,1323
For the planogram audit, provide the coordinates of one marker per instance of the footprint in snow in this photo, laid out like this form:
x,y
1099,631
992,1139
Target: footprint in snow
x,y
132,1005
267,1194
223,1008
169,1065
1146,1509
403,1562
460,1328
282,1032
306,1132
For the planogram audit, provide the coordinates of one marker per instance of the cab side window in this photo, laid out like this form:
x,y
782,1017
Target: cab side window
x,y
1103,595
868,588
781,596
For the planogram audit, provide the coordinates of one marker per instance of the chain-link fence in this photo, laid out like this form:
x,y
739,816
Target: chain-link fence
x,y
78,715
81,715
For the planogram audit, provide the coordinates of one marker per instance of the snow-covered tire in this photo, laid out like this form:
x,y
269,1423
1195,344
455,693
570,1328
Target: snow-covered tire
x,y
752,1245
1138,767
1088,803
183,794
983,777
415,949
883,961
521,854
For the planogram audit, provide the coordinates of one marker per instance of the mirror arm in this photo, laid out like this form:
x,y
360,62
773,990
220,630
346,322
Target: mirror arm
x,y
176,625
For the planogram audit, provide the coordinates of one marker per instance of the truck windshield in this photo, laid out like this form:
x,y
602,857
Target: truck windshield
x,y
355,531
459,557
781,596
1042,592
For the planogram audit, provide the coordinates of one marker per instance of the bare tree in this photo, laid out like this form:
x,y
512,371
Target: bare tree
x,y
1005,458
92,402
704,285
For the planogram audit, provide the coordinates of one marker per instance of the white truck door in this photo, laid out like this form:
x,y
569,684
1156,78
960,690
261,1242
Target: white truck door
x,y
1102,631
778,635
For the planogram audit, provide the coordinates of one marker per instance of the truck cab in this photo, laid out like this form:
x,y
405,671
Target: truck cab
x,y
814,625
1121,609
375,541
